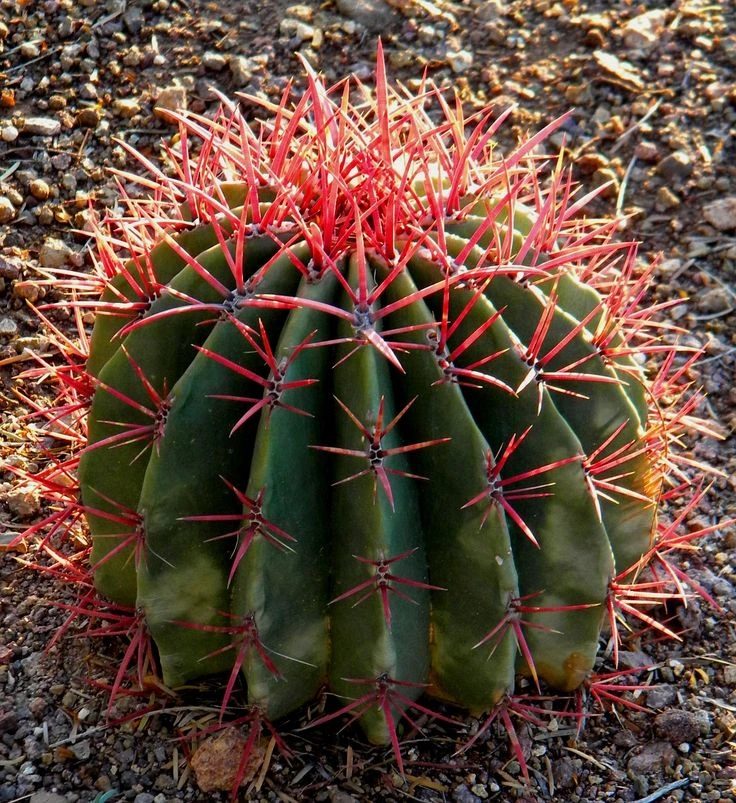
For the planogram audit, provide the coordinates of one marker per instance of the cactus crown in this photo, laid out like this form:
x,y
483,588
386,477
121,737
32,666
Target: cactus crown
x,y
366,410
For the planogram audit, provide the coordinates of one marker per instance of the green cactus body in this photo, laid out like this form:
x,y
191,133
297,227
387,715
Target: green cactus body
x,y
374,433
597,411
133,386
182,547
370,526
566,640
282,584
471,542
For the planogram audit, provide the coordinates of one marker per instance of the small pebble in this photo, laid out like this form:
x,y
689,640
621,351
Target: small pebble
x,y
54,253
88,91
126,107
8,327
461,61
171,98
133,57
37,706
47,797
57,102
133,19
338,796
8,721
42,126
653,757
606,175
242,70
27,291
9,269
661,695
61,161
39,189
9,133
462,794
715,300
666,199
678,726
646,151
214,61
676,166
373,15
212,760
45,214
7,210
643,32
81,750
88,118
721,213
30,50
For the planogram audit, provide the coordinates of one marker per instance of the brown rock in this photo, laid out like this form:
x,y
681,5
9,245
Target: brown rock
x,y
588,163
9,269
171,98
88,118
215,762
666,199
8,721
653,757
607,176
39,189
7,210
646,151
57,102
678,726
28,291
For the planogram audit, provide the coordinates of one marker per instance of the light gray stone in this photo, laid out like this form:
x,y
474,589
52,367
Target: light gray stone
x,y
721,214
42,126
715,300
644,31
242,70
8,327
678,165
214,61
54,253
374,15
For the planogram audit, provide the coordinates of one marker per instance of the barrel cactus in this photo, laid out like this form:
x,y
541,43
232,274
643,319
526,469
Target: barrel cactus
x,y
365,408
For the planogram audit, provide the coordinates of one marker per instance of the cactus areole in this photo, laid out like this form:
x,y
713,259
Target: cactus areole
x,y
366,408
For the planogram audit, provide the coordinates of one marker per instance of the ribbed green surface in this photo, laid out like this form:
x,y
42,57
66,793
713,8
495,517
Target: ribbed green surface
x,y
287,584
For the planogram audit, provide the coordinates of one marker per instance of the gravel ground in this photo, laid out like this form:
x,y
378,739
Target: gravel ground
x,y
653,86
